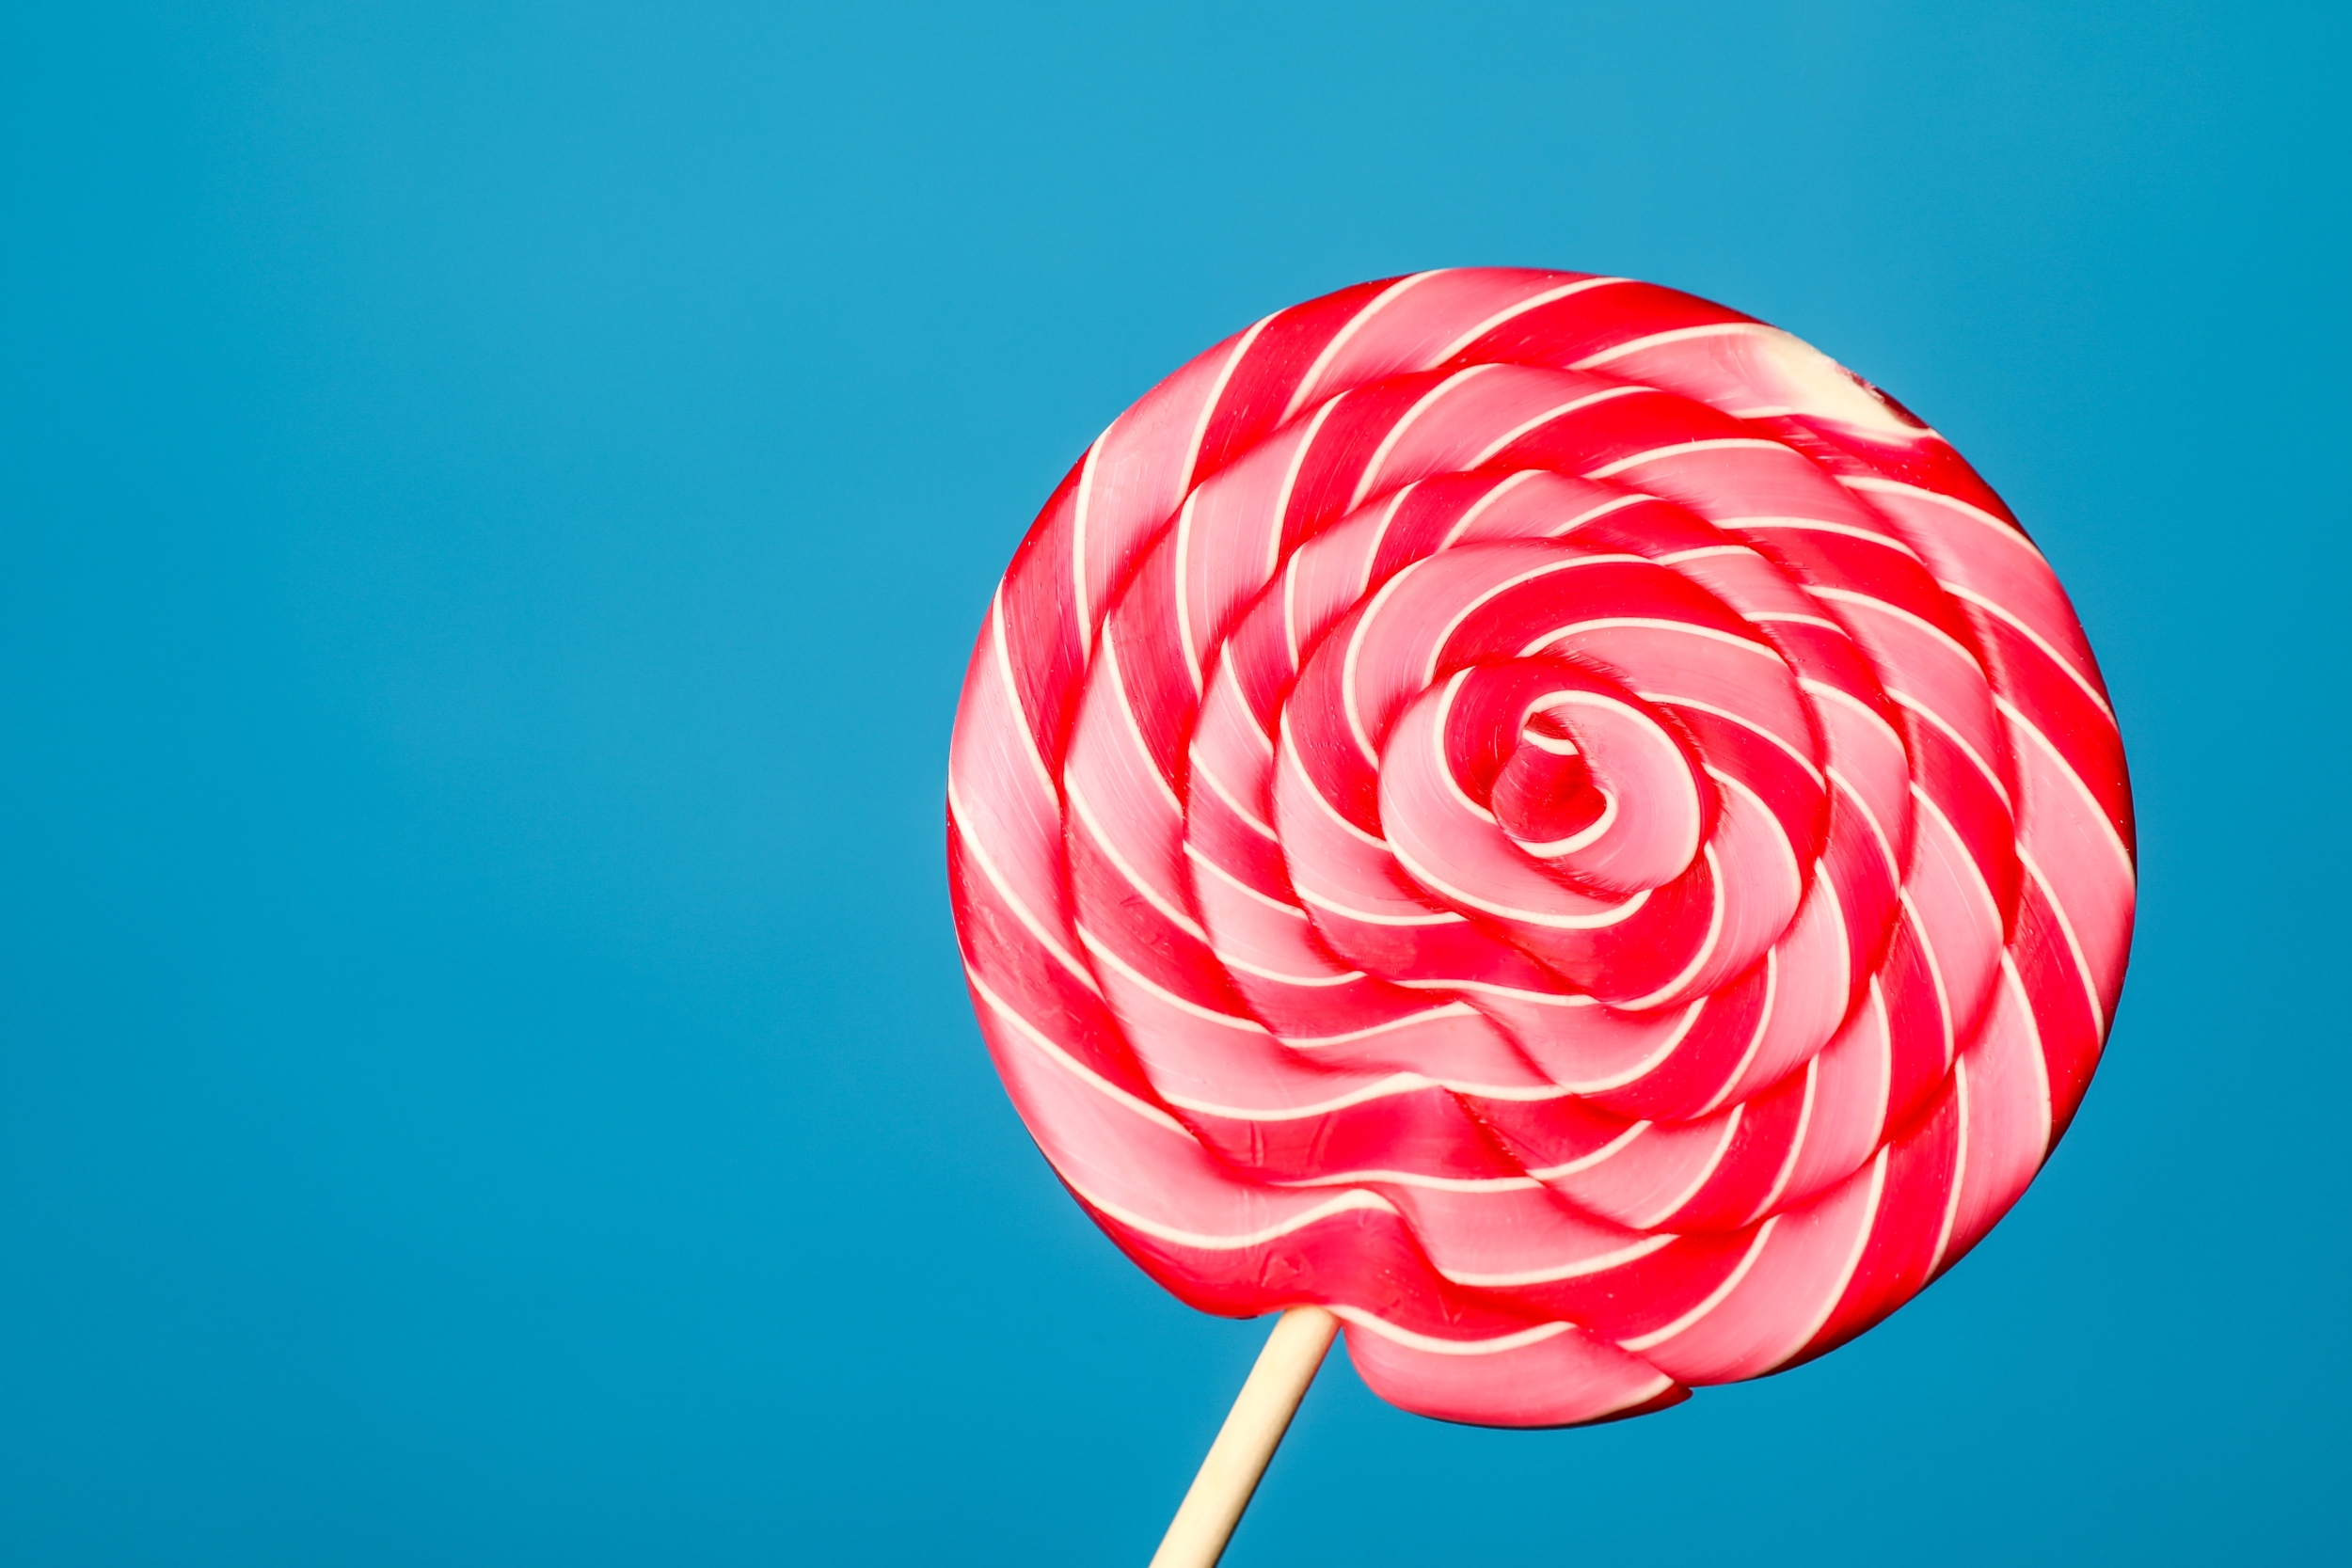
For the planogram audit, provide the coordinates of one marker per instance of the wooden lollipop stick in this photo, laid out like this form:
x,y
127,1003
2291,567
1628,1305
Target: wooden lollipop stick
x,y
1252,1429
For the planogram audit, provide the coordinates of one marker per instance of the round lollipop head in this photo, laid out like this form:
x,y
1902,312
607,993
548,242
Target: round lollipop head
x,y
1545,816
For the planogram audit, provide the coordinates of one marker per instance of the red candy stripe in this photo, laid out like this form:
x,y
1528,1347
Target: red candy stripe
x,y
1541,813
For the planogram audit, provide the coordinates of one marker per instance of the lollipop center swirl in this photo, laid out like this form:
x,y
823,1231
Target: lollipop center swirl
x,y
1602,792
1539,785
1546,797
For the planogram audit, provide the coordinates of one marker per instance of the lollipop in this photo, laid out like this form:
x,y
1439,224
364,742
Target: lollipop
x,y
1543,816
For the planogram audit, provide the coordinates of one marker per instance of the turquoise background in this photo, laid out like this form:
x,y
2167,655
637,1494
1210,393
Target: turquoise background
x,y
496,498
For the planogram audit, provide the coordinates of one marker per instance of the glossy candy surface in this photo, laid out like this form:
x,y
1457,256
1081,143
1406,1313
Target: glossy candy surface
x,y
1542,814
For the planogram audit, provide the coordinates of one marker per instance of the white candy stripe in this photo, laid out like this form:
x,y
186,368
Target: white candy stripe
x,y
1248,817
1206,1241
1215,400
1415,1179
1984,770
1581,1268
2090,802
1710,1301
1836,1293
1682,448
1707,1173
1020,910
1557,411
1820,525
1069,1064
2066,664
1151,988
1953,503
1387,1330
1513,311
1680,335
1371,479
1081,594
1152,896
1308,383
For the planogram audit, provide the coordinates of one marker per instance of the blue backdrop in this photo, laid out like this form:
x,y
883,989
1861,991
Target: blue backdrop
x,y
496,501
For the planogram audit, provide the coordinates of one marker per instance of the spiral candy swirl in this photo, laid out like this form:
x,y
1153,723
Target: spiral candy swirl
x,y
1542,814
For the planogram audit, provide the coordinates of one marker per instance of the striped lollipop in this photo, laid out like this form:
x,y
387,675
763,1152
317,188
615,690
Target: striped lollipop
x,y
1542,815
